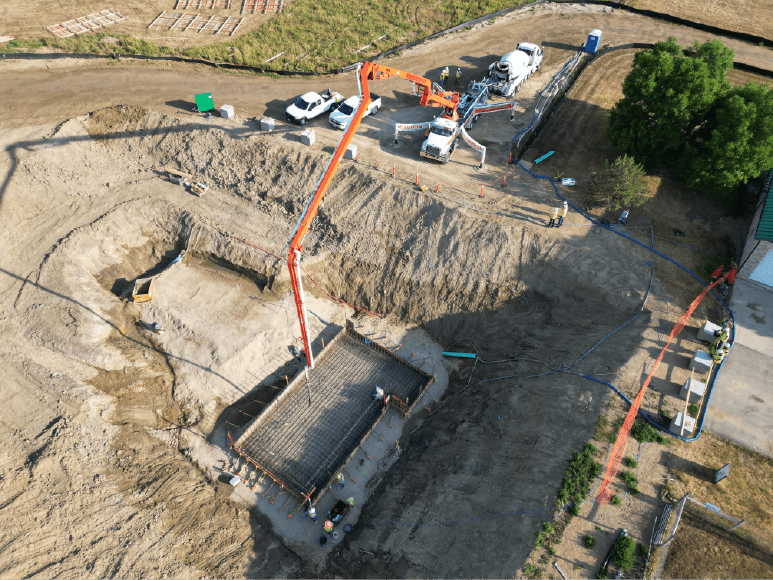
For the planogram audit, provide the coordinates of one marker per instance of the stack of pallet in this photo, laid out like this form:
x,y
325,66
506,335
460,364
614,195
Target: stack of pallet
x,y
85,23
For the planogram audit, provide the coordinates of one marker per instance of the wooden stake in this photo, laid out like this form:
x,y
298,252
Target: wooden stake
x,y
686,403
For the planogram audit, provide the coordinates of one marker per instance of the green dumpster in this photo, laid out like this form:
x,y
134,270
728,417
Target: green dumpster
x,y
204,102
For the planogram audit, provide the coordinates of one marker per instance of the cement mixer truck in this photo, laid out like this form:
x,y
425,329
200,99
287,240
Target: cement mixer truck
x,y
507,75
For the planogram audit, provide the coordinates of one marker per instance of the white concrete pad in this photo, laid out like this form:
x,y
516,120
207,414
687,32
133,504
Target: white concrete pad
x,y
701,362
706,333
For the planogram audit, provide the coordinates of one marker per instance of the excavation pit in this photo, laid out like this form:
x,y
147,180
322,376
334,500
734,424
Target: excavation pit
x,y
315,426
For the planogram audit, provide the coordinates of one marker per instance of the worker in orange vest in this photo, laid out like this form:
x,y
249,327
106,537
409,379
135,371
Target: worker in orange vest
x,y
328,526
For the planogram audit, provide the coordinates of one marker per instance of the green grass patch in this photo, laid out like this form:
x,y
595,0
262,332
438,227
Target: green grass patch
x,y
692,410
616,500
615,429
579,477
589,542
314,36
630,462
601,428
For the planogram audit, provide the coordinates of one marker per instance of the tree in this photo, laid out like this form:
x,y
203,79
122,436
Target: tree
x,y
620,184
736,141
665,96
624,555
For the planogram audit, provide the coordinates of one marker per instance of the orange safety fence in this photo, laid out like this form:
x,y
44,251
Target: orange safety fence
x,y
618,450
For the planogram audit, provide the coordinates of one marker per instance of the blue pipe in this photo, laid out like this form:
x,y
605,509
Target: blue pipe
x,y
654,251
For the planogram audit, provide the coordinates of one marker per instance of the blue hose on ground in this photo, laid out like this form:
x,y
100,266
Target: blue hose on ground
x,y
654,251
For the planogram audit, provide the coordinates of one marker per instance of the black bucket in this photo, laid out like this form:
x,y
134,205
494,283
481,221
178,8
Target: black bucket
x,y
323,540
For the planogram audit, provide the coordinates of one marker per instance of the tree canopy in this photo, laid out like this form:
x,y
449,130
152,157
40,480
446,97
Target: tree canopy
x,y
619,184
736,141
676,102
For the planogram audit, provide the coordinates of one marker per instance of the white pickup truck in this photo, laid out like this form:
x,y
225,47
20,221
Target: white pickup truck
x,y
312,105
506,76
343,114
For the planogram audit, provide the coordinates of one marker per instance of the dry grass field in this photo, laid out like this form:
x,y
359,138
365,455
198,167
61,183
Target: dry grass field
x,y
702,547
749,16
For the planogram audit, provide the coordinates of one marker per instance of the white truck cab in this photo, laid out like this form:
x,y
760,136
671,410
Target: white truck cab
x,y
311,105
341,116
506,76
442,139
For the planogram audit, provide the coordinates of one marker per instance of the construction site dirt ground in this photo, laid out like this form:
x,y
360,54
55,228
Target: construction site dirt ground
x,y
114,434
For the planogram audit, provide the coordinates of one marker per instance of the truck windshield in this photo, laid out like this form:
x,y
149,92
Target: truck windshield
x,y
346,109
301,104
441,131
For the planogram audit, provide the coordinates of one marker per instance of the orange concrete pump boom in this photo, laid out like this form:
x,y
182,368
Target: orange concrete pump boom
x,y
366,72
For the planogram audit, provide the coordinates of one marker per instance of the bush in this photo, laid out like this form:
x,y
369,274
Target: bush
x,y
644,432
589,542
618,185
575,510
551,550
538,541
633,489
643,551
631,462
616,500
628,477
624,555
547,527
579,477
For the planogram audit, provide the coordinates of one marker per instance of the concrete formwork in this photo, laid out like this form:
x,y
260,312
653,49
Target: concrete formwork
x,y
314,427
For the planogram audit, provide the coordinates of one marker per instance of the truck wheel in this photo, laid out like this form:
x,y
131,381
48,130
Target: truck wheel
x,y
302,121
374,111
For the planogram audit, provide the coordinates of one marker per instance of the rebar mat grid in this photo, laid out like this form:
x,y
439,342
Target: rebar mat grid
x,y
304,445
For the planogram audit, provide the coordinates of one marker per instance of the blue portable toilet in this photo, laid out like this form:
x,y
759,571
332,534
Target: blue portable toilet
x,y
594,39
